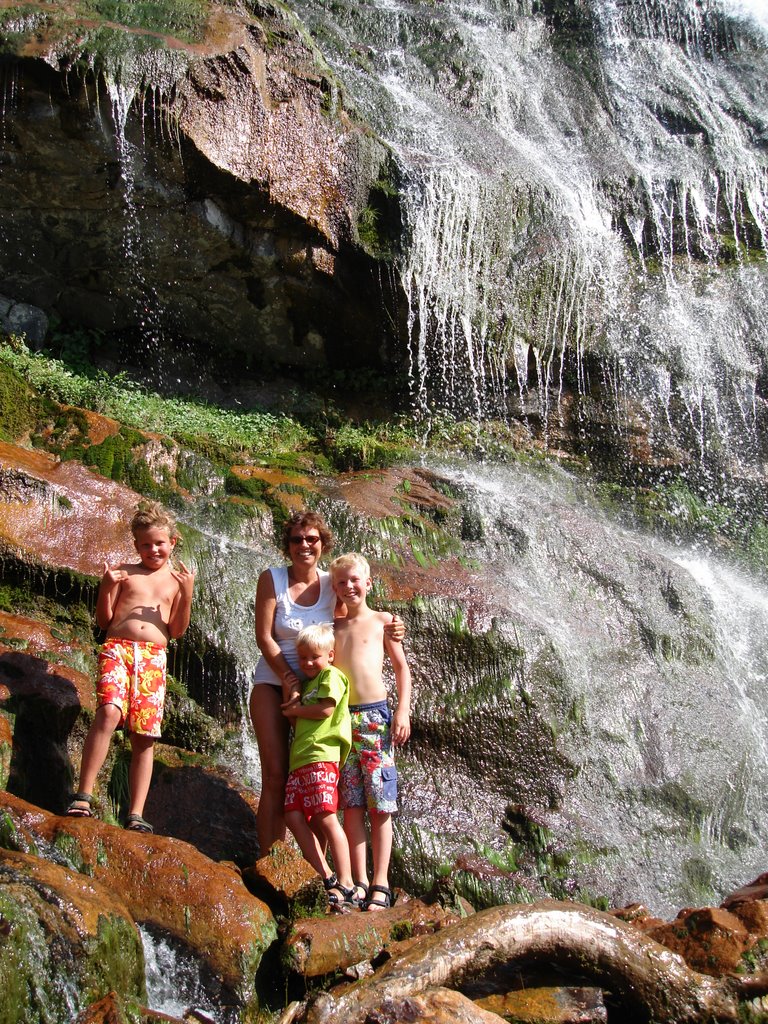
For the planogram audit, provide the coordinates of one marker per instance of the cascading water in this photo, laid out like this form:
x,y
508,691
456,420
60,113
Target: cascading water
x,y
615,694
585,195
173,982
600,191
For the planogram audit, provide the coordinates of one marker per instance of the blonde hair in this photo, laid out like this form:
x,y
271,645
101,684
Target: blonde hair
x,y
349,561
318,636
152,513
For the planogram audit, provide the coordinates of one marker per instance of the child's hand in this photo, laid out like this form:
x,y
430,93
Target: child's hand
x,y
290,707
113,576
401,727
185,578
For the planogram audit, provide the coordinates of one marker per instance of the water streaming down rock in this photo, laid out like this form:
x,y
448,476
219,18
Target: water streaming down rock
x,y
598,685
174,984
584,186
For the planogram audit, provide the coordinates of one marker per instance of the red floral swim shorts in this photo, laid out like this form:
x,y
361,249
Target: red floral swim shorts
x,y
132,677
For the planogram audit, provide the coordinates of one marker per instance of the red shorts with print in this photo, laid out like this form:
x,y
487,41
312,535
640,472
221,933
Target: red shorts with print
x,y
313,788
132,677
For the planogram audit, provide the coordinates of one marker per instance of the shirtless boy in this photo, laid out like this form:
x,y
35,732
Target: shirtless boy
x,y
141,605
369,777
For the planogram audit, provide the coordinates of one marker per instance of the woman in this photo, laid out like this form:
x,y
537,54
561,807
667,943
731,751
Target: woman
x,y
288,598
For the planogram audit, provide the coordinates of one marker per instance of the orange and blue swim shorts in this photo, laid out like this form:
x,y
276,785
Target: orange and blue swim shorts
x,y
132,677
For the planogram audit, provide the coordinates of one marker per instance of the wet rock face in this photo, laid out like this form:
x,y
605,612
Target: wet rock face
x,y
223,220
66,939
164,883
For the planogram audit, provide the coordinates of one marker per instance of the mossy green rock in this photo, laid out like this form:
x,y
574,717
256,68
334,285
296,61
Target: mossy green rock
x,y
65,941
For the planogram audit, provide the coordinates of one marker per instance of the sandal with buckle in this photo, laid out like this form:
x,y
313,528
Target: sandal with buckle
x,y
357,899
381,904
333,887
73,811
135,823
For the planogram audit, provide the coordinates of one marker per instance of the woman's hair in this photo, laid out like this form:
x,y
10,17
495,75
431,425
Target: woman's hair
x,y
152,513
318,636
300,520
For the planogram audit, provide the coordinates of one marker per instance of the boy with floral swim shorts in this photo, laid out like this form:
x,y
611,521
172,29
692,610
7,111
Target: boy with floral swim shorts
x,y
321,741
141,605
369,778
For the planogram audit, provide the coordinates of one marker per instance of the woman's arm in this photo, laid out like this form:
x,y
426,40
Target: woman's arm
x,y
395,629
266,605
322,709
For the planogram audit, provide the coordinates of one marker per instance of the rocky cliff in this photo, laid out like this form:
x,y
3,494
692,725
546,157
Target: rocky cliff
x,y
192,203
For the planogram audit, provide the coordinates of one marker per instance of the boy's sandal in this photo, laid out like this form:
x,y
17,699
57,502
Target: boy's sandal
x,y
334,887
135,823
358,899
73,811
381,904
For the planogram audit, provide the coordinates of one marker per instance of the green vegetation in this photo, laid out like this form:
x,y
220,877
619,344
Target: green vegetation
x,y
184,19
46,397
676,510
123,399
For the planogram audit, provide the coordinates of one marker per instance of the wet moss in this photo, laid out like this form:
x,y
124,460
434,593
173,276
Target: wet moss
x,y
186,725
43,975
183,18
20,406
64,601
6,751
71,853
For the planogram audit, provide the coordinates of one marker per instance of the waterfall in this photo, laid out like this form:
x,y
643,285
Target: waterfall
x,y
617,694
174,984
594,191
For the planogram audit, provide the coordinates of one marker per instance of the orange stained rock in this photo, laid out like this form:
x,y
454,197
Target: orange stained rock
x,y
24,673
36,634
99,427
62,514
384,492
710,939
319,946
439,1006
548,1003
753,914
282,874
86,900
165,883
290,489
273,477
755,890
107,1010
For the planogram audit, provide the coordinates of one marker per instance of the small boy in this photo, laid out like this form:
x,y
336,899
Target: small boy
x,y
141,605
321,741
369,777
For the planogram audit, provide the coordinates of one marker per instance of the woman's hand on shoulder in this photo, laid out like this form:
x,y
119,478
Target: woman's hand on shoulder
x,y
395,629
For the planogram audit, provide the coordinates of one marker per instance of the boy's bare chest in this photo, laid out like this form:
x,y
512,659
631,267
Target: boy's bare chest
x,y
356,642
149,590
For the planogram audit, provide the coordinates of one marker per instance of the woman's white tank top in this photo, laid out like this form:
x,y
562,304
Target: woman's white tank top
x,y
291,618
